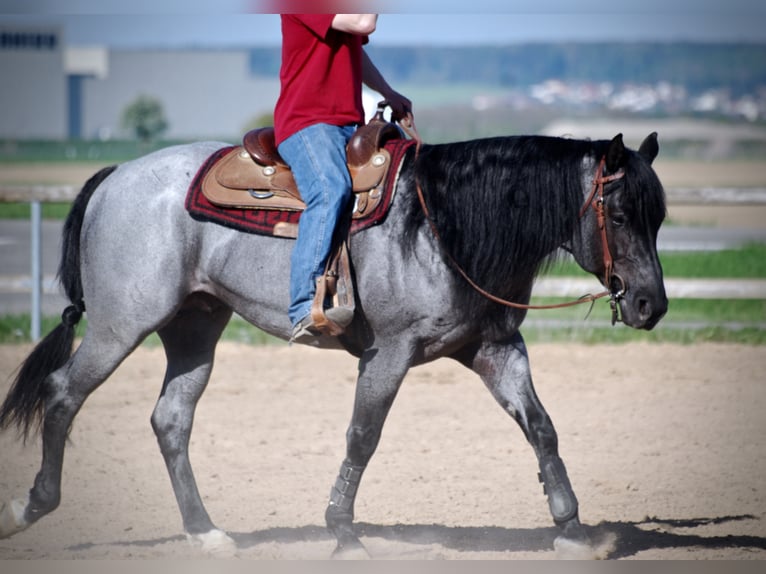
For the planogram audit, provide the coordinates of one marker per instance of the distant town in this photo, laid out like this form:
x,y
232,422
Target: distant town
x,y
725,80
663,98
720,80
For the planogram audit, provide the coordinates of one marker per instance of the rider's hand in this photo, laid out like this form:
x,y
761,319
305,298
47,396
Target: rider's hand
x,y
401,106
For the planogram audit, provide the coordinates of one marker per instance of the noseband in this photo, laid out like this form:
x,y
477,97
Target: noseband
x,y
596,201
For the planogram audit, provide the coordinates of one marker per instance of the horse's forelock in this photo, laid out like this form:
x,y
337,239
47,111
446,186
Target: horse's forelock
x,y
645,192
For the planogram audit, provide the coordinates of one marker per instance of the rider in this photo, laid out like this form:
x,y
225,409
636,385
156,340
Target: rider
x,y
319,108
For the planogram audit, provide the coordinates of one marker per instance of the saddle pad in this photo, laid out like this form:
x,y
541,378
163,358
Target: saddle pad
x,y
263,221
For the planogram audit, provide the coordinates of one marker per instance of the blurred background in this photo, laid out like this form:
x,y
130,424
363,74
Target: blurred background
x,y
76,76
85,85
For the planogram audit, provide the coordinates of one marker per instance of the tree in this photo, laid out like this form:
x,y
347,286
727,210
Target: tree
x,y
144,117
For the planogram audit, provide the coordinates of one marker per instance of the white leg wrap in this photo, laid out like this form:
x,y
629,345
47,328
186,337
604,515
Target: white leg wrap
x,y
12,517
216,542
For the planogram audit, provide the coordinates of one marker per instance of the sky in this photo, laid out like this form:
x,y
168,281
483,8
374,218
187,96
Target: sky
x,y
236,23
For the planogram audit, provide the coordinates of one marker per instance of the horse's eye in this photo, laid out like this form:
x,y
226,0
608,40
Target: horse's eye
x,y
618,219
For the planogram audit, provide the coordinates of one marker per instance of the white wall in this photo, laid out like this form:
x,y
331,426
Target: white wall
x,y
205,94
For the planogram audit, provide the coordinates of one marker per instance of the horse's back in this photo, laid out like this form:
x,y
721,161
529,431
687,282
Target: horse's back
x,y
144,250
147,181
138,211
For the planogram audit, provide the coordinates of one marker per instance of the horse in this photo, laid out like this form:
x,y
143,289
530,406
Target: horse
x,y
471,225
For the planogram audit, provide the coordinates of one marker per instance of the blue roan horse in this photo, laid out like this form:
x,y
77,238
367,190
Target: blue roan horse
x,y
500,208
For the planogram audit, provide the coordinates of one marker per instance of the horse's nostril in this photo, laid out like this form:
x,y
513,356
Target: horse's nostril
x,y
644,309
650,312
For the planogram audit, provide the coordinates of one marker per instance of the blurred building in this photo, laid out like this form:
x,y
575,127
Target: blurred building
x,y
33,93
53,91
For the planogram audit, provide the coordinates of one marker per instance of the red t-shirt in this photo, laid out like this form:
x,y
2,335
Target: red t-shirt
x,y
321,75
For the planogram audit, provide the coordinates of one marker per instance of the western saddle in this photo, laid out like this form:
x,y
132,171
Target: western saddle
x,y
254,176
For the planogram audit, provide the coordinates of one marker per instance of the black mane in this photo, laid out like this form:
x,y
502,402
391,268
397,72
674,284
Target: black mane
x,y
503,206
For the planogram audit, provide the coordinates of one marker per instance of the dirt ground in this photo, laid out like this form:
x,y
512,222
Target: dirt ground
x,y
664,445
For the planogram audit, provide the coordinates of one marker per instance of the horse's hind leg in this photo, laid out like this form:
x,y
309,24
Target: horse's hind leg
x,y
66,390
506,373
380,375
189,340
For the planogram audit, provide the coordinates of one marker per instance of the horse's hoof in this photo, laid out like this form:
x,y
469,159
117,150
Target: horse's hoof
x,y
573,549
351,551
215,543
12,517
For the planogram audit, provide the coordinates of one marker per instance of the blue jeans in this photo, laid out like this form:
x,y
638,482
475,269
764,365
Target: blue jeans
x,y
317,157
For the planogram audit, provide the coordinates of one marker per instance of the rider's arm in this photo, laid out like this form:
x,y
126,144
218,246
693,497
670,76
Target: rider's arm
x,y
373,79
361,24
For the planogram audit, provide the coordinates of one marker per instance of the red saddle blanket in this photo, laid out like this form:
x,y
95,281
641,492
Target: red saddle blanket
x,y
262,221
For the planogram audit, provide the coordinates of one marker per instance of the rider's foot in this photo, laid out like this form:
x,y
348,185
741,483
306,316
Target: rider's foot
x,y
305,331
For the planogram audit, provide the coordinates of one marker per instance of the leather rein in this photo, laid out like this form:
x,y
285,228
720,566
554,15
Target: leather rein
x,y
595,200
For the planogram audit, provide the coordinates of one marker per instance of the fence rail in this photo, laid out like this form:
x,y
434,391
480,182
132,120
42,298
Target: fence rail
x,y
716,195
674,195
41,193
35,195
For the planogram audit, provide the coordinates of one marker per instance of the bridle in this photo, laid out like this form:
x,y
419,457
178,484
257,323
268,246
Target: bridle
x,y
595,200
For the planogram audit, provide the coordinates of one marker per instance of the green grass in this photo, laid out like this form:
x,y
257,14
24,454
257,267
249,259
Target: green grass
x,y
745,311
747,262
23,210
16,329
620,334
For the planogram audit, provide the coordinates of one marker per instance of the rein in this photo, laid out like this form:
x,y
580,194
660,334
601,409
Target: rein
x,y
595,200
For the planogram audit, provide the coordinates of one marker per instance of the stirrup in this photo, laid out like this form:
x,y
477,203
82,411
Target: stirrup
x,y
306,330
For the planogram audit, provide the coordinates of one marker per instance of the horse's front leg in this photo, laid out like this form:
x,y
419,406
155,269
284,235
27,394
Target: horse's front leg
x,y
380,376
504,368
189,339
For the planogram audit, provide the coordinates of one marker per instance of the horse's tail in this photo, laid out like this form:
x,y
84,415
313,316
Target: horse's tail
x,y
26,399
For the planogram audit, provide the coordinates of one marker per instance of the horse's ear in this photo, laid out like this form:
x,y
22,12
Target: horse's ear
x,y
649,147
615,155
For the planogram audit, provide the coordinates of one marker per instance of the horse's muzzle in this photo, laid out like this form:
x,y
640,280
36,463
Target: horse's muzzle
x,y
643,310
